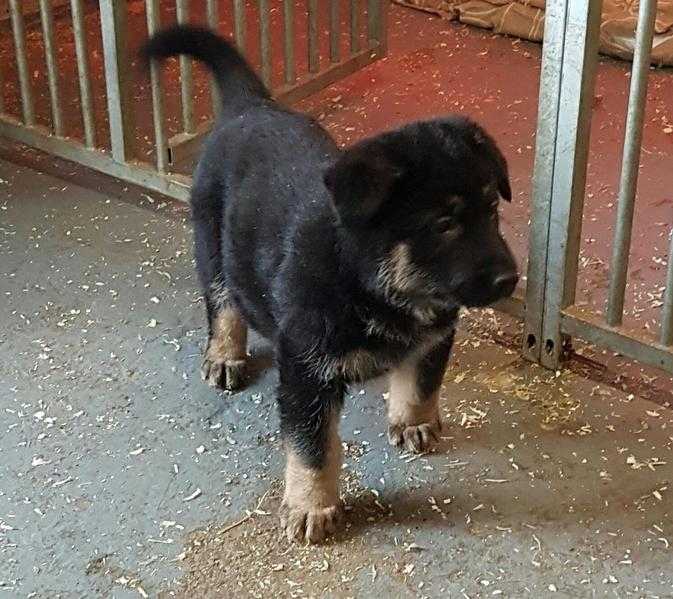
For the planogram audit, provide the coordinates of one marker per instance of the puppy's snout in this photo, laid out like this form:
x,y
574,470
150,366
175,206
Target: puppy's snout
x,y
503,284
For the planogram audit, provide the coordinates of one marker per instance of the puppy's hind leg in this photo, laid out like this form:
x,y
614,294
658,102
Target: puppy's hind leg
x,y
224,359
226,353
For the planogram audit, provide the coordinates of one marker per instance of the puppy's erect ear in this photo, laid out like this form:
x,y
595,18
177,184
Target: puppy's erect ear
x,y
499,164
360,181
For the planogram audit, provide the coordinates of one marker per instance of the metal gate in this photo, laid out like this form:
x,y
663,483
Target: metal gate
x,y
565,107
104,119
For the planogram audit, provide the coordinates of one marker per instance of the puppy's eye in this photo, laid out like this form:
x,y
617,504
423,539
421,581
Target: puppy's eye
x,y
447,224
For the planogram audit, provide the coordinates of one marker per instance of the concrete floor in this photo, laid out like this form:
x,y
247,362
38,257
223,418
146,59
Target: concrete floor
x,y
122,474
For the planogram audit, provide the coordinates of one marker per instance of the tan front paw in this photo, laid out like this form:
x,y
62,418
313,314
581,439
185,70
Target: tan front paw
x,y
417,438
225,374
310,525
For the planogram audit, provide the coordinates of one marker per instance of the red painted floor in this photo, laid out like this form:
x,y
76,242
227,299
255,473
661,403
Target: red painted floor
x,y
436,67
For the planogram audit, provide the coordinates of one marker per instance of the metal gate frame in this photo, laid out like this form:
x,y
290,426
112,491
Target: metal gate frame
x,y
120,161
570,56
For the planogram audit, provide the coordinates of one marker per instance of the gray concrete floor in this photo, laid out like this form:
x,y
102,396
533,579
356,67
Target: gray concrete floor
x,y
122,475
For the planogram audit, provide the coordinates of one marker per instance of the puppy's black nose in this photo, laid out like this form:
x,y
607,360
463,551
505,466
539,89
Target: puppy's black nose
x,y
504,284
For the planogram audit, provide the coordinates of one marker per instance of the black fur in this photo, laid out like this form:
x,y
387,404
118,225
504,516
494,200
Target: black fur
x,y
298,230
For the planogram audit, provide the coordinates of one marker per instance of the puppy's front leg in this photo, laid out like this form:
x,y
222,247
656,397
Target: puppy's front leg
x,y
414,421
309,419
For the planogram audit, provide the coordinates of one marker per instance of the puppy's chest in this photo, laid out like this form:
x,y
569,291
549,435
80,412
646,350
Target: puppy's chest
x,y
376,356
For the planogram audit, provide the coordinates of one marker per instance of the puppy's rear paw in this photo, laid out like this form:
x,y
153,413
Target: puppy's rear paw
x,y
310,525
417,438
225,374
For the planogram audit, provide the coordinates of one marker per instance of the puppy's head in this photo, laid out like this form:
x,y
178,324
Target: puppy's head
x,y
420,205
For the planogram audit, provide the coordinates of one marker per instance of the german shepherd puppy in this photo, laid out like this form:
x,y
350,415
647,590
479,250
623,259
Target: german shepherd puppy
x,y
353,263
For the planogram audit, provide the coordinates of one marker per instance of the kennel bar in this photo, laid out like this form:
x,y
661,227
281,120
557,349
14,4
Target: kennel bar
x,y
152,10
288,42
633,137
186,75
355,26
334,31
666,335
27,107
47,19
213,17
313,56
265,41
113,18
83,72
239,24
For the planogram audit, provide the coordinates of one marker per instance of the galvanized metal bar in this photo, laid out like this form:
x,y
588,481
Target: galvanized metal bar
x,y
543,173
27,107
667,311
138,173
239,24
355,26
213,16
288,42
373,21
83,72
580,57
334,31
113,18
186,75
47,19
629,343
152,9
630,161
313,53
265,41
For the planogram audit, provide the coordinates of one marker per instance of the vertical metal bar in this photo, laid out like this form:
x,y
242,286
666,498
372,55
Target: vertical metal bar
x,y
2,94
239,24
113,18
631,161
186,86
667,312
288,45
543,172
580,59
84,75
373,21
355,26
213,15
334,31
27,107
153,12
313,53
265,41
52,67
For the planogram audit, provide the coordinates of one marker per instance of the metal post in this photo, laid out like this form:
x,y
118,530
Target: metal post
x,y
239,24
153,10
334,32
52,66
355,26
580,58
186,87
84,75
313,54
113,18
27,107
288,45
265,41
543,172
373,21
667,312
631,161
213,15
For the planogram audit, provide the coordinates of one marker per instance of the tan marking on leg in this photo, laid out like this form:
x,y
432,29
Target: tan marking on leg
x,y
311,506
224,360
413,421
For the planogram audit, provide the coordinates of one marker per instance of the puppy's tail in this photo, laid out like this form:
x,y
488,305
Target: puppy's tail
x,y
235,78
